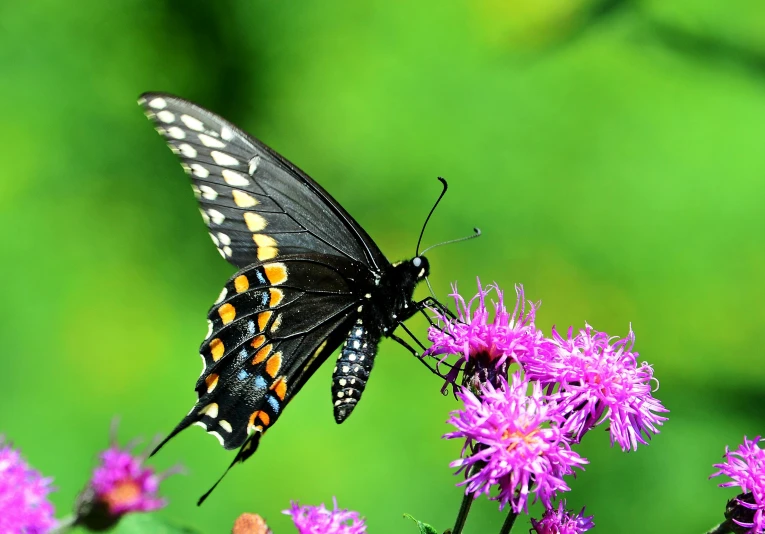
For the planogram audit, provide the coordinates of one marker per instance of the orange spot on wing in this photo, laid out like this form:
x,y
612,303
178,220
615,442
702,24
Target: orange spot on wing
x,y
216,349
279,387
263,319
257,341
276,324
276,273
263,416
273,364
254,222
227,313
262,354
241,283
277,295
211,381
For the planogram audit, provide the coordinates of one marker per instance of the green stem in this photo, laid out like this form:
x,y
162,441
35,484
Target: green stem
x,y
509,522
467,502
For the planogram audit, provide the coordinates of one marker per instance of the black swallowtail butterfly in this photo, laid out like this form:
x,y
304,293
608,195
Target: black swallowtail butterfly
x,y
310,279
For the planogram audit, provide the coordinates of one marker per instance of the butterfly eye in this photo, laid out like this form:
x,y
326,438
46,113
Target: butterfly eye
x,y
416,262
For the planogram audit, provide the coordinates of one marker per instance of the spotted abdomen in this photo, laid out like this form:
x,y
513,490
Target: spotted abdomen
x,y
353,367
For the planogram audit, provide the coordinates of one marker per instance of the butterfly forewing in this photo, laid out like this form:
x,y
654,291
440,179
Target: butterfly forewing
x,y
256,204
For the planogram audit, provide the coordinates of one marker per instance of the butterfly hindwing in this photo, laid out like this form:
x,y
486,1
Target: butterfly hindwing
x,y
256,204
274,323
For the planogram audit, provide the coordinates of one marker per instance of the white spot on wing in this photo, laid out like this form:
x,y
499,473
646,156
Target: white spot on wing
x,y
200,171
216,216
205,217
224,238
221,158
214,239
187,150
234,178
208,193
252,166
226,133
176,132
158,103
210,141
209,329
227,251
165,116
192,123
222,296
225,425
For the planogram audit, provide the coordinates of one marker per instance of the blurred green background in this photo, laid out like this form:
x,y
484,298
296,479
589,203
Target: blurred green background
x,y
611,152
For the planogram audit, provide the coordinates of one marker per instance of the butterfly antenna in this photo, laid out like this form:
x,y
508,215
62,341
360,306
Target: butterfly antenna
x,y
422,232
477,233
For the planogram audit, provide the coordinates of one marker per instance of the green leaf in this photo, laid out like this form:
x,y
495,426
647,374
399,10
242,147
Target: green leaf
x,y
144,523
424,527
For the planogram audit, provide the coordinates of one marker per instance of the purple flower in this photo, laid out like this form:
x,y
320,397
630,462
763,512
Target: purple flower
x,y
486,343
24,505
319,520
599,380
120,484
513,442
746,468
561,521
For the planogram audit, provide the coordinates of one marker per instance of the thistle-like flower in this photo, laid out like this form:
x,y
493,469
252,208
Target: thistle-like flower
x,y
562,521
514,444
320,520
746,468
597,379
486,343
24,505
120,484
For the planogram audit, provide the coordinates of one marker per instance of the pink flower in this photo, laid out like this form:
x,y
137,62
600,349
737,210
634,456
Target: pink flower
x,y
24,505
320,520
486,343
746,468
513,443
597,380
120,484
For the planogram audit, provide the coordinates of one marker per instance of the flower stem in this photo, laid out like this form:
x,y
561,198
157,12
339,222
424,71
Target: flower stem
x,y
509,522
467,501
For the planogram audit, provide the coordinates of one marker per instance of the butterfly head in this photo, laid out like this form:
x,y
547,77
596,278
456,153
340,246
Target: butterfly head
x,y
421,266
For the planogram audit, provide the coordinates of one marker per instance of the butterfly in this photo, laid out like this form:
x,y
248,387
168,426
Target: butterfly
x,y
310,280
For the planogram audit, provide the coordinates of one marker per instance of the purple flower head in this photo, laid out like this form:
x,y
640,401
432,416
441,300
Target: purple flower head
x,y
513,442
319,520
562,521
746,468
486,343
24,505
120,484
599,380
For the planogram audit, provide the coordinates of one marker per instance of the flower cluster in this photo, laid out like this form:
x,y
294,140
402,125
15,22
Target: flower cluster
x,y
320,520
24,505
561,521
746,468
528,397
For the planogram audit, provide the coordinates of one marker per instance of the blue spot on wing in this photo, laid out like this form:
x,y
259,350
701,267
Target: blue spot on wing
x,y
242,374
274,404
260,382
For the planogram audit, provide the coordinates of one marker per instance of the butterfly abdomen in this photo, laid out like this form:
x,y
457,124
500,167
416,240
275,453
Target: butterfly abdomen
x,y
353,367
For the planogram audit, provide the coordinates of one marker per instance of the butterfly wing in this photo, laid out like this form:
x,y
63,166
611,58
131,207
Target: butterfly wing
x,y
273,325
256,204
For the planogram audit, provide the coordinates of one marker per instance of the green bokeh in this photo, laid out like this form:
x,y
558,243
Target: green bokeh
x,y
614,163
